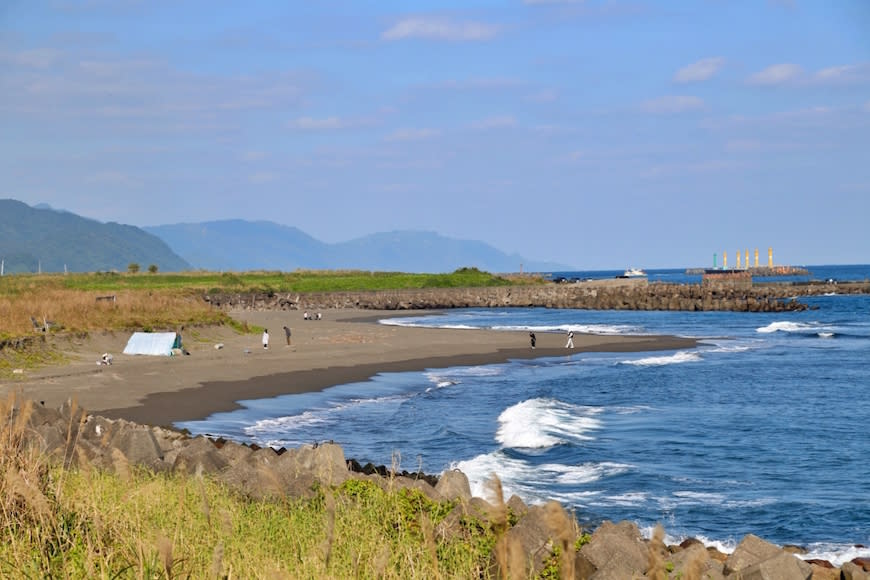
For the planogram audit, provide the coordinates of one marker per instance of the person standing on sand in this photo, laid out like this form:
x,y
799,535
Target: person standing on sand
x,y
266,338
570,339
532,339
287,334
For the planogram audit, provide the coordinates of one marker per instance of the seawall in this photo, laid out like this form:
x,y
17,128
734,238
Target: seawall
x,y
616,294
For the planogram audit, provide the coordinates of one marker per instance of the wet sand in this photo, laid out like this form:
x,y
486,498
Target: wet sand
x,y
345,346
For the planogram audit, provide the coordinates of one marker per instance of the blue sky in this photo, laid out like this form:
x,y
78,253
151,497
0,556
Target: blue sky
x,y
598,134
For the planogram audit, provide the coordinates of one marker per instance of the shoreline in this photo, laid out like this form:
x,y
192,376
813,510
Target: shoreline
x,y
210,397
346,346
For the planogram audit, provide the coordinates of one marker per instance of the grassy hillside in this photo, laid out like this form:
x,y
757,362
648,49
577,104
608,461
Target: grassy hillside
x,y
47,240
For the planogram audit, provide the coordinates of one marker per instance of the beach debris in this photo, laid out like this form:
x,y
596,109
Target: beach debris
x,y
18,371
105,359
219,346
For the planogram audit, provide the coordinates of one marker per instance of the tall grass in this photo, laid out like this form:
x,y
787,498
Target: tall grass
x,y
80,311
85,523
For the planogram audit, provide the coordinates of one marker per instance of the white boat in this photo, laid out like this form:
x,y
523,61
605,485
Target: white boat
x,y
634,273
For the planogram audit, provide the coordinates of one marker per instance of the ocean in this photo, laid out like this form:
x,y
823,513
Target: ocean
x,y
763,428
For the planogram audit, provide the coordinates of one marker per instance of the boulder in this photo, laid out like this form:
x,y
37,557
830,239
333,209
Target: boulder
x,y
528,544
99,430
138,445
199,456
517,506
751,550
41,415
782,566
234,452
617,550
853,571
253,478
694,561
325,461
418,484
453,484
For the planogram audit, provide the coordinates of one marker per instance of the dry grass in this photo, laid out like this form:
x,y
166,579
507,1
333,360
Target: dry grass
x,y
80,311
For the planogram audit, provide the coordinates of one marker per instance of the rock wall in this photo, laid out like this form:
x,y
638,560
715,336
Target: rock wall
x,y
585,295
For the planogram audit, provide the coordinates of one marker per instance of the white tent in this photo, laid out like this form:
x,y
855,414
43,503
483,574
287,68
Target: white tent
x,y
153,343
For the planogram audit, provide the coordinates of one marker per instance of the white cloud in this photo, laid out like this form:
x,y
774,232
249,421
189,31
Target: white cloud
x,y
794,74
702,70
311,124
777,74
439,29
843,74
408,134
496,122
673,104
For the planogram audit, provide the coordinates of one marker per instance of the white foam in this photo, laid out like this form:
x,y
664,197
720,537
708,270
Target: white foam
x,y
288,424
836,554
482,469
724,546
825,334
539,423
676,358
580,474
732,345
519,477
604,329
784,326
440,381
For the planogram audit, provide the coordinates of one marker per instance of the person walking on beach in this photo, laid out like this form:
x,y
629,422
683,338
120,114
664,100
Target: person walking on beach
x,y
570,339
532,339
287,334
266,338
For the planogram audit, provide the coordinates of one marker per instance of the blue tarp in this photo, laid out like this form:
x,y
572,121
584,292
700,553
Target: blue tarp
x,y
153,343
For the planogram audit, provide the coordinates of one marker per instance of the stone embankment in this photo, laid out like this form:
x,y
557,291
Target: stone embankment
x,y
597,295
614,550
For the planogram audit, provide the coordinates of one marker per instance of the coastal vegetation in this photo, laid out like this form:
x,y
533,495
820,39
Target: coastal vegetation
x,y
137,300
83,522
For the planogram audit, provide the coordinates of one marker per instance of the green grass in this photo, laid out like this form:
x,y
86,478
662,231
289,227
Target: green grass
x,y
94,524
298,281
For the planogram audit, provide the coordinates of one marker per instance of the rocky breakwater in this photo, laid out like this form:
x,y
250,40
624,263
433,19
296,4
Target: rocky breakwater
x,y
533,536
595,295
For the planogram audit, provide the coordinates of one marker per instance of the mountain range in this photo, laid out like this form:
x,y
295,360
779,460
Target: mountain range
x,y
34,239
41,237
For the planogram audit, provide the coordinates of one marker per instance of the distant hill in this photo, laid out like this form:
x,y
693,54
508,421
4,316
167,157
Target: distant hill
x,y
243,245
262,245
33,238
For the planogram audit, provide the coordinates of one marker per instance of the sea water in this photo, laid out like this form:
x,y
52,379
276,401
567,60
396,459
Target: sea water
x,y
763,428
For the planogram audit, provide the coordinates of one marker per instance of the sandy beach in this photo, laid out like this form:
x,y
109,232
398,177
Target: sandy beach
x,y
344,346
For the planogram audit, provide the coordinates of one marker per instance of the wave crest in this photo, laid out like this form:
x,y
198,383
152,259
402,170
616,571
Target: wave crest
x,y
541,423
655,361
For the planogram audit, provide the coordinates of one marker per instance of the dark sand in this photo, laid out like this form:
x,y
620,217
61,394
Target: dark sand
x,y
345,346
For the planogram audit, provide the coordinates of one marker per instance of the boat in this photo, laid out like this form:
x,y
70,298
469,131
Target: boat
x,y
634,273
